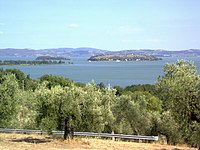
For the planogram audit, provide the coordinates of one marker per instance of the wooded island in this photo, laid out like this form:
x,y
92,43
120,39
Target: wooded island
x,y
51,58
30,62
41,60
123,57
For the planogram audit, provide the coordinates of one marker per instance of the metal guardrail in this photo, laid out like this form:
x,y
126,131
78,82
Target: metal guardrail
x,y
122,136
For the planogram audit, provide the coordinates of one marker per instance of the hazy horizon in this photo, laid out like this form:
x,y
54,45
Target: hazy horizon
x,y
106,24
101,49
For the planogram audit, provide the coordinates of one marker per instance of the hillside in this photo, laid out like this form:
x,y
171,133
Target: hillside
x,y
88,52
54,52
123,57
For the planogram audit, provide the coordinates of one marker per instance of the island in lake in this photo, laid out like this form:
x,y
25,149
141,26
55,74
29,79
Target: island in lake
x,y
41,60
30,62
51,58
123,57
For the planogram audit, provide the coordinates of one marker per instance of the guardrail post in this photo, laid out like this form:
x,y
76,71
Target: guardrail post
x,y
113,138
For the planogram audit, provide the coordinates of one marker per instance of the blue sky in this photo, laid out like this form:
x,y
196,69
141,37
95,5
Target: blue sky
x,y
104,24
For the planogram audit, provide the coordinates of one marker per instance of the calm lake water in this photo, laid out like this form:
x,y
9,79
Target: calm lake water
x,y
113,73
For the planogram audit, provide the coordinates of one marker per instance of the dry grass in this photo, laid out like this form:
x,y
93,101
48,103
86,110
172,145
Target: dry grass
x,y
42,142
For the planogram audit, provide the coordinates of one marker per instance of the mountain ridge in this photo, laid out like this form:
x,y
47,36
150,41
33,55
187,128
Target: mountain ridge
x,y
88,52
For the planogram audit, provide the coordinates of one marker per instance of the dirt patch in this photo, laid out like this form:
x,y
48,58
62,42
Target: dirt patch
x,y
31,140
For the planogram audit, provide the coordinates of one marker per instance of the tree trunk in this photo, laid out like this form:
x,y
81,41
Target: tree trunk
x,y
66,130
167,138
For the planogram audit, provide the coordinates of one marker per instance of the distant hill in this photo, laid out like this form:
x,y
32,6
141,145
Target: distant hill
x,y
123,57
88,52
54,52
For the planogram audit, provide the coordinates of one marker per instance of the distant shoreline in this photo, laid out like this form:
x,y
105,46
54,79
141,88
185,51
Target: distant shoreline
x,y
31,62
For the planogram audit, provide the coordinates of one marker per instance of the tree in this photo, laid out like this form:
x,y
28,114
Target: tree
x,y
58,108
137,112
101,85
25,82
108,100
8,99
55,80
132,112
194,138
179,91
86,109
178,88
168,126
91,110
119,90
26,112
153,103
141,87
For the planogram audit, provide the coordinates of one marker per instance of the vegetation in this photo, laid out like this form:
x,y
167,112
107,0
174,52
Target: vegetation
x,y
170,108
29,62
123,57
179,91
50,58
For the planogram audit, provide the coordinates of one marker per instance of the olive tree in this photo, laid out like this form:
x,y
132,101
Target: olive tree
x,y
58,108
8,99
178,88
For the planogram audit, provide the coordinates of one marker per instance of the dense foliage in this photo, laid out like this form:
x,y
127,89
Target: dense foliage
x,y
170,108
50,58
30,62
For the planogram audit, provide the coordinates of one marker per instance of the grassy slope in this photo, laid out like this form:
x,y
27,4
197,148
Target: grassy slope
x,y
41,142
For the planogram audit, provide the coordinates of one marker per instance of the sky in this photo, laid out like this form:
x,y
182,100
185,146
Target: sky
x,y
103,24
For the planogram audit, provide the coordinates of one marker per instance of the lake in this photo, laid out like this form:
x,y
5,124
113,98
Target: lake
x,y
113,73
